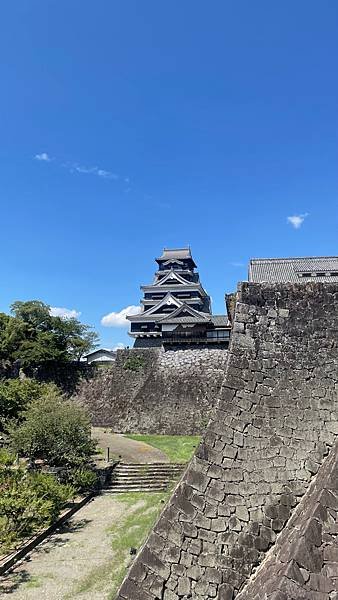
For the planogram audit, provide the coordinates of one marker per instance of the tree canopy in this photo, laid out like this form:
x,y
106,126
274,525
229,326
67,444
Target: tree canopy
x,y
34,337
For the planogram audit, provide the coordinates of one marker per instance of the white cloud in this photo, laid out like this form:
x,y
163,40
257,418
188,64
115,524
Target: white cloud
x,y
92,171
118,319
237,264
77,168
297,220
106,174
43,156
119,346
81,169
64,313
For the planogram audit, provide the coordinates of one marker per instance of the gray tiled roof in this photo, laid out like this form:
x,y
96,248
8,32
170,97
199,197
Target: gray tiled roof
x,y
216,320
190,319
220,320
180,253
298,270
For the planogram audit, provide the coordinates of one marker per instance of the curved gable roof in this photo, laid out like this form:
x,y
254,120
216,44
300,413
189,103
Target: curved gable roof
x,y
172,275
185,308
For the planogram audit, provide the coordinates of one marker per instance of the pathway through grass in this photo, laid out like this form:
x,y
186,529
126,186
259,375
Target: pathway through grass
x,y
143,510
178,448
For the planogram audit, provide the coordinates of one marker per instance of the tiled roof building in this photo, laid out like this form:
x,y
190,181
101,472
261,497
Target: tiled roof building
x,y
175,307
294,270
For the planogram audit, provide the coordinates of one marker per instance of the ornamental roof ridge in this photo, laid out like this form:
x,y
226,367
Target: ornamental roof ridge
x,y
168,275
156,306
190,310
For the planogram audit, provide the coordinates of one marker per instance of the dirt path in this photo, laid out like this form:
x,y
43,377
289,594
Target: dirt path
x,y
75,562
128,450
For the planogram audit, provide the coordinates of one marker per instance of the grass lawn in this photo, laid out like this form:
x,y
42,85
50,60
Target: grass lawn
x,y
142,510
178,448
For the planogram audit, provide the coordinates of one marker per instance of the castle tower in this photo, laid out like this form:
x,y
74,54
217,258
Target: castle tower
x,y
176,309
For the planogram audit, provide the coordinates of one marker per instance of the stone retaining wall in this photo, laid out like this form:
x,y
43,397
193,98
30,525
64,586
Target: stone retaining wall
x,y
173,392
274,424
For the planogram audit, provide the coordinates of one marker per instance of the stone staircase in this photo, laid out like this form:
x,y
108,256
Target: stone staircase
x,y
154,477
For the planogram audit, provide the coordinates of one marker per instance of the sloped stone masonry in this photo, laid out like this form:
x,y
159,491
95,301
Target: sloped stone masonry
x,y
303,564
276,420
173,393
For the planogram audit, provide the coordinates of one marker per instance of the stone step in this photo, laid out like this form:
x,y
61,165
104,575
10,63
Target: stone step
x,y
147,473
151,466
136,477
134,486
162,469
123,490
141,477
138,484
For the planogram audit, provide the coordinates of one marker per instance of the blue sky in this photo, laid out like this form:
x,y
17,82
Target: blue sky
x,y
128,126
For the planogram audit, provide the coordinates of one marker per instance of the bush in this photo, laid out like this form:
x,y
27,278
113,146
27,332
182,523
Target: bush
x,y
16,394
55,430
28,502
134,363
82,479
6,458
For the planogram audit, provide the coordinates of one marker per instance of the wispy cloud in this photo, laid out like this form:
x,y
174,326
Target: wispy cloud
x,y
119,346
64,313
76,167
164,205
237,264
297,220
103,173
118,319
43,156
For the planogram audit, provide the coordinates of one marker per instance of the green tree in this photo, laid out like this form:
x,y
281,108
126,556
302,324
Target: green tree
x,y
54,429
16,394
35,338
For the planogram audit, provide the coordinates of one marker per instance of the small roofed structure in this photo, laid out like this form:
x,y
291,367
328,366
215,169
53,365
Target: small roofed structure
x,y
100,356
176,309
294,270
176,256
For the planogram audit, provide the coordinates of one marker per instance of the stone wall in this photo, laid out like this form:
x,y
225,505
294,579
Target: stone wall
x,y
173,392
274,424
303,564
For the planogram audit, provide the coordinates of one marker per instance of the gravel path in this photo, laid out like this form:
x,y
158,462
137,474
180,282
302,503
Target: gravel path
x,y
129,450
61,567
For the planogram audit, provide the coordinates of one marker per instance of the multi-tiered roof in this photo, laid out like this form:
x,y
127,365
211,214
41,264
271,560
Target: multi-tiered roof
x,y
175,302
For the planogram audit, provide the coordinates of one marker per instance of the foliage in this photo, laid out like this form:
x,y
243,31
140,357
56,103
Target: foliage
x,y
178,448
28,502
82,479
6,458
54,429
134,363
16,394
35,337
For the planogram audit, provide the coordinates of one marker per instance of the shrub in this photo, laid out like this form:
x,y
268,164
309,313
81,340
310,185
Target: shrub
x,y
54,429
16,394
82,479
134,363
28,502
6,458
